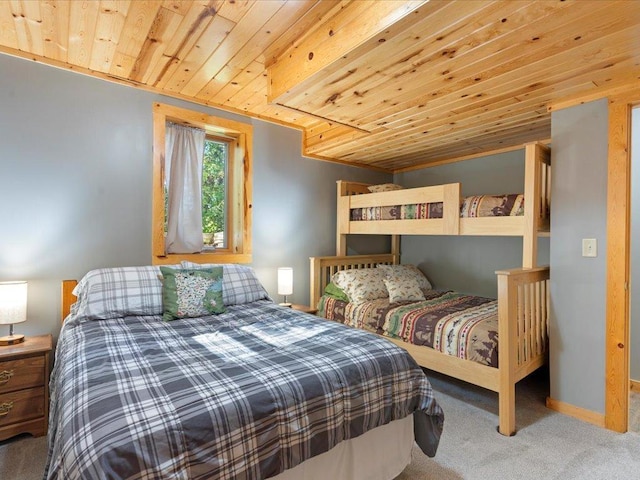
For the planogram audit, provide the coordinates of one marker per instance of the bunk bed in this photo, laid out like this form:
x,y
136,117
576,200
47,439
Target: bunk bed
x,y
523,293
533,222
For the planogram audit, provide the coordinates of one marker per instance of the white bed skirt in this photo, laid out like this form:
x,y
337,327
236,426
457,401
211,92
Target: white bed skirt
x,y
380,454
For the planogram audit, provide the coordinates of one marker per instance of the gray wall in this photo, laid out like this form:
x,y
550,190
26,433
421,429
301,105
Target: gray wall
x,y
635,245
468,264
75,186
578,284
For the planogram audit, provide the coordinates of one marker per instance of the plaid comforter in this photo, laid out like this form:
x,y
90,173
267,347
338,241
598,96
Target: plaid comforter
x,y
243,395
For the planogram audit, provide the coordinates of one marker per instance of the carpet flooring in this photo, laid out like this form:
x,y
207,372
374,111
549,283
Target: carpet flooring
x,y
548,445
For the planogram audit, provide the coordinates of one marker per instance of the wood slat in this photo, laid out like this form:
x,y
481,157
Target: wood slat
x,y
82,22
258,14
109,25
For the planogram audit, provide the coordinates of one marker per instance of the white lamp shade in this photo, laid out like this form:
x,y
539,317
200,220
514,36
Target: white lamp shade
x,y
13,302
285,281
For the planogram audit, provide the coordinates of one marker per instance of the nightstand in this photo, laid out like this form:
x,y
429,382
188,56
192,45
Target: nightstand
x,y
304,308
24,387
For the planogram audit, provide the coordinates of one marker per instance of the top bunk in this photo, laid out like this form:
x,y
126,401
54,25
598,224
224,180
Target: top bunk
x,y
436,210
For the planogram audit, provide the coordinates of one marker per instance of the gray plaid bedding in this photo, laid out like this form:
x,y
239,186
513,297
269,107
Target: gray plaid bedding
x,y
242,395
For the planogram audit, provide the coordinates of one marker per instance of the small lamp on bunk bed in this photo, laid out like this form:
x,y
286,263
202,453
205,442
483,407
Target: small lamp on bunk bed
x,y
285,284
13,309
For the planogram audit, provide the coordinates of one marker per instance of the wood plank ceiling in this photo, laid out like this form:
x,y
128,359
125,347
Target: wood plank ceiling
x,y
382,84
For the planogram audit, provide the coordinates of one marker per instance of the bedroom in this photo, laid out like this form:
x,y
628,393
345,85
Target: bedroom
x,y
76,153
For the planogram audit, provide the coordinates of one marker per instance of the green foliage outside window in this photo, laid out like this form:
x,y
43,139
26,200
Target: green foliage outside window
x,y
214,172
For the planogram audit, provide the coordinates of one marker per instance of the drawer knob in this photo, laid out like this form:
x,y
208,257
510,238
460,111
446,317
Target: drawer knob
x,y
5,408
5,376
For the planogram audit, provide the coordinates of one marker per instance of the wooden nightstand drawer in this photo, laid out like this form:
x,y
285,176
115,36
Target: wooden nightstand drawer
x,y
21,406
22,373
24,387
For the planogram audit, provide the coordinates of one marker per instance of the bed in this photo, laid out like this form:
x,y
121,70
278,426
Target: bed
x,y
452,216
521,315
248,390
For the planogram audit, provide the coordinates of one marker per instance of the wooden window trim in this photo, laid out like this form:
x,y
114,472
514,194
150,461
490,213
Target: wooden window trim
x,y
240,205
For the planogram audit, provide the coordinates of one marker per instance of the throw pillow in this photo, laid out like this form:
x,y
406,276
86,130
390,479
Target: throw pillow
x,y
361,285
403,289
191,292
407,271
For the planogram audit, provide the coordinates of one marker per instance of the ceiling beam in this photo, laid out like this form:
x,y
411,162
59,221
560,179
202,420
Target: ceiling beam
x,y
355,27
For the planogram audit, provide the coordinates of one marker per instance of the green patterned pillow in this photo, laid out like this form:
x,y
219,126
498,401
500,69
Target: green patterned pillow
x,y
191,292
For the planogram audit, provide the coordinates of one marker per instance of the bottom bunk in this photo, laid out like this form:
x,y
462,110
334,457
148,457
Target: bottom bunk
x,y
463,346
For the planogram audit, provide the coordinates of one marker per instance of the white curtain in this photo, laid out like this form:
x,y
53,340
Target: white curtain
x,y
184,151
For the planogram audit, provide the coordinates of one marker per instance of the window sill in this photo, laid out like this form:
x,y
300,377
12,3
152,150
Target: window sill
x,y
207,257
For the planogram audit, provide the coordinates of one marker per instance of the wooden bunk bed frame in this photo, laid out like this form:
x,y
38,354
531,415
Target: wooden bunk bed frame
x,y
534,222
523,293
523,312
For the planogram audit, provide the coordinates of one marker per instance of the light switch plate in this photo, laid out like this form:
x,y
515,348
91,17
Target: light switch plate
x,y
589,247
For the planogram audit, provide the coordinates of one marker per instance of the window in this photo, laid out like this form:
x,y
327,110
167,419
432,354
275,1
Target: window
x,y
214,193
226,187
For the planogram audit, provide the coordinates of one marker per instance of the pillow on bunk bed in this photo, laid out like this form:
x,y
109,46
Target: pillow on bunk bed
x,y
407,271
403,289
361,284
384,187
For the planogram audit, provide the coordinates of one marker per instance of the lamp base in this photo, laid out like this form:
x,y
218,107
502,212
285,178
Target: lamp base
x,y
11,340
288,305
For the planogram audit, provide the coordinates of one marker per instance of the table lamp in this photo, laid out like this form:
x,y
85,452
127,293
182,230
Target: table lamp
x,y
285,283
13,309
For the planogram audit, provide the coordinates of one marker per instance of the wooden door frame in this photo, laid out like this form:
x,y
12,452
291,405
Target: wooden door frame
x,y
618,249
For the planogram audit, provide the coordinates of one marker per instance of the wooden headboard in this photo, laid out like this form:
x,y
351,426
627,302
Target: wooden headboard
x,y
322,268
68,298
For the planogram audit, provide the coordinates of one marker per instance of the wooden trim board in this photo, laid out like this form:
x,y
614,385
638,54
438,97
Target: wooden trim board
x,y
583,414
618,228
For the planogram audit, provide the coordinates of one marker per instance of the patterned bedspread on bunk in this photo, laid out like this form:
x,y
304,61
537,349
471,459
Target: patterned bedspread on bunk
x,y
461,325
475,206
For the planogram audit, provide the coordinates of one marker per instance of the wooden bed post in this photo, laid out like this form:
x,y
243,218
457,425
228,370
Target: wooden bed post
x,y
507,354
342,219
68,298
531,206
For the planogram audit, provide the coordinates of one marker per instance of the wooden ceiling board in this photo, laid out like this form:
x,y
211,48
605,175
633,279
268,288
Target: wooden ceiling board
x,y
150,60
8,33
239,36
355,27
390,85
445,81
401,58
55,29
